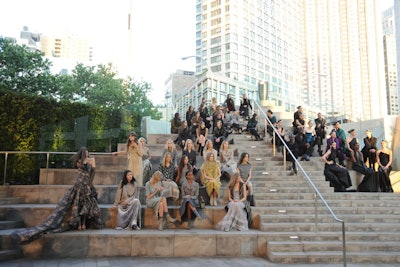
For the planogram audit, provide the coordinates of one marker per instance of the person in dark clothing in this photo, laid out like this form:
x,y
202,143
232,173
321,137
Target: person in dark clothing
x,y
183,135
369,149
295,151
176,123
230,104
302,145
219,135
368,184
320,132
252,127
245,107
272,125
190,113
337,175
205,116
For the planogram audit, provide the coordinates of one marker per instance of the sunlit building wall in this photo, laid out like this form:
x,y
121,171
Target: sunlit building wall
x,y
344,58
252,42
389,46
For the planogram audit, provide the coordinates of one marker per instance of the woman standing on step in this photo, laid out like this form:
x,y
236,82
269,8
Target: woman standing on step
x,y
201,133
211,174
244,169
127,203
134,154
157,201
384,159
77,209
236,217
190,206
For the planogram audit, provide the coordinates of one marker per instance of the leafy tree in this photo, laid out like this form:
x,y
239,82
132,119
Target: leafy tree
x,y
23,70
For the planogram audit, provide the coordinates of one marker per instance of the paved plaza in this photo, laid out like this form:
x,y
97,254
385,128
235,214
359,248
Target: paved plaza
x,y
168,262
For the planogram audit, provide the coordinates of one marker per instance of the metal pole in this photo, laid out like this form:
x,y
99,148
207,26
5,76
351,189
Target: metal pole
x,y
5,168
344,245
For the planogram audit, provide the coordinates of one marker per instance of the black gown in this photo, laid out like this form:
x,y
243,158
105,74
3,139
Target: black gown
x,y
79,200
384,180
338,177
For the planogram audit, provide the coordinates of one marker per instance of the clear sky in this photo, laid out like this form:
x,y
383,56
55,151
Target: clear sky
x,y
162,31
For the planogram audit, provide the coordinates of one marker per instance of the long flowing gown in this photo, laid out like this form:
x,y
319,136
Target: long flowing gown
x,y
236,217
384,180
129,216
135,164
79,200
338,177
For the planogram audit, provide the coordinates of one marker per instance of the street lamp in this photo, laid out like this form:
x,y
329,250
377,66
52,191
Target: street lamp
x,y
203,62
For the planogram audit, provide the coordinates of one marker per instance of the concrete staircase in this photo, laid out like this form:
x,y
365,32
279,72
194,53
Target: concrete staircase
x,y
291,224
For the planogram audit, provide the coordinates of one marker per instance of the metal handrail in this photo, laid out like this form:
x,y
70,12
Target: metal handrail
x,y
317,193
48,153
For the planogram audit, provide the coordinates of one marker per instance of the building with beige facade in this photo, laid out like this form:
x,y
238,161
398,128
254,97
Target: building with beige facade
x,y
324,55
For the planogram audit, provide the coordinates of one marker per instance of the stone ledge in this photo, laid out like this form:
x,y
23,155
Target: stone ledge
x,y
149,243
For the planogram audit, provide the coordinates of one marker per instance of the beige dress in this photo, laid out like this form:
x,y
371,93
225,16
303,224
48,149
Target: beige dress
x,y
135,164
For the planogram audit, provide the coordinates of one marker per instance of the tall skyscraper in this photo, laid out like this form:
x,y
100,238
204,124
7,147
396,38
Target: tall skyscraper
x,y
389,46
344,58
324,55
251,42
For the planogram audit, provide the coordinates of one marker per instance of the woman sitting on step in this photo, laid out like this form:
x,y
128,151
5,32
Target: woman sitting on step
x,y
236,216
168,171
190,206
211,174
244,169
127,203
157,201
337,175
228,164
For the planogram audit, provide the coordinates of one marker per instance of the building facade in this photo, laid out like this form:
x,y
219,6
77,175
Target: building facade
x,y
389,46
324,55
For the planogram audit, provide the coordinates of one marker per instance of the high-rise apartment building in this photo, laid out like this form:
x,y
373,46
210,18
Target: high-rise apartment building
x,y
344,58
252,41
67,46
389,46
324,55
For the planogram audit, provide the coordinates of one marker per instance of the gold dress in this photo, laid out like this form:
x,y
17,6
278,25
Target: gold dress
x,y
135,164
211,169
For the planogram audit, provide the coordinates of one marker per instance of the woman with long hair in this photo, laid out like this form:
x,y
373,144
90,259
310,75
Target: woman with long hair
x,y
168,170
384,158
245,170
211,174
201,137
209,148
157,201
183,167
77,209
236,217
337,175
127,203
134,156
171,148
228,164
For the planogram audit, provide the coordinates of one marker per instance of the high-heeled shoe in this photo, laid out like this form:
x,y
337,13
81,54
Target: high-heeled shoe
x,y
170,219
211,200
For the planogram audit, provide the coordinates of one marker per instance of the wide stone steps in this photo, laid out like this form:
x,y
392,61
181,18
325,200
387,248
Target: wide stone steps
x,y
333,226
288,236
327,218
328,257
